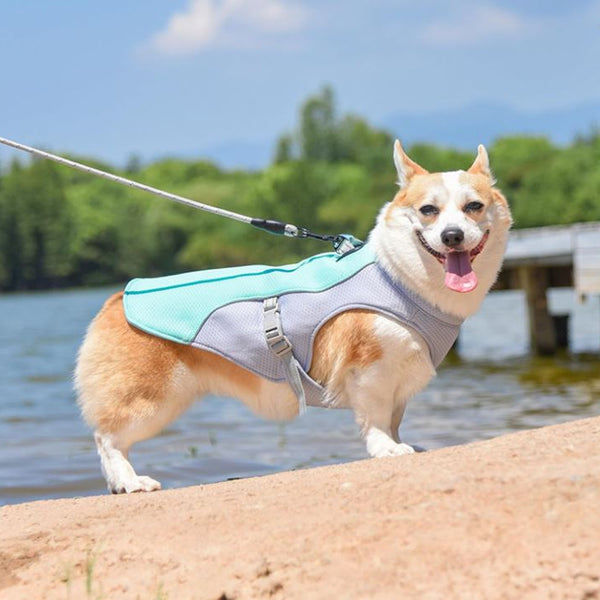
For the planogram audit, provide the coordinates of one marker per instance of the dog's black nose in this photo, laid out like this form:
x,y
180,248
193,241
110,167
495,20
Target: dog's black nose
x,y
453,236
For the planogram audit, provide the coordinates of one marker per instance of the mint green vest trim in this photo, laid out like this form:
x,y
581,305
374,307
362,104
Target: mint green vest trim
x,y
176,307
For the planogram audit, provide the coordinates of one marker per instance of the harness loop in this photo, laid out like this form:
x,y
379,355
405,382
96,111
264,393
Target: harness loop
x,y
281,347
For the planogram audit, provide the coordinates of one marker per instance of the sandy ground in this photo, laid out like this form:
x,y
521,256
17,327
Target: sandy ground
x,y
514,517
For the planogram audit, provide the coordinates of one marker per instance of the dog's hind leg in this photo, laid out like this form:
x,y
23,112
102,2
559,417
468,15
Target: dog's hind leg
x,y
130,386
139,416
117,470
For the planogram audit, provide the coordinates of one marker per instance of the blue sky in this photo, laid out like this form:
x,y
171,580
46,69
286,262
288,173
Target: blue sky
x,y
157,78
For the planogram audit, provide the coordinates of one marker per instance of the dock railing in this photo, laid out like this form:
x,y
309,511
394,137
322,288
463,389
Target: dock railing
x,y
546,257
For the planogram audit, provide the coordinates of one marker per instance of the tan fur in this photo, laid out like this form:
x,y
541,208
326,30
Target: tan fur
x,y
131,384
482,184
413,195
118,389
481,165
128,373
502,203
411,168
419,184
347,340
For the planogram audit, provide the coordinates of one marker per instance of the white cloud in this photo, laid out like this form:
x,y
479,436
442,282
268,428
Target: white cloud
x,y
478,23
206,23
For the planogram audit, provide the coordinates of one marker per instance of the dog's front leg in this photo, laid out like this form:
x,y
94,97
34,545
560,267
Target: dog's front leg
x,y
378,414
374,365
380,391
379,444
381,441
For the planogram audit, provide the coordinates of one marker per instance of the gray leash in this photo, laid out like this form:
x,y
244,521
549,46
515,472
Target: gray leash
x,y
273,330
341,243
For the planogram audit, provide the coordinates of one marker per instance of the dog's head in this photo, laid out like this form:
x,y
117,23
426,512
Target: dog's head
x,y
444,231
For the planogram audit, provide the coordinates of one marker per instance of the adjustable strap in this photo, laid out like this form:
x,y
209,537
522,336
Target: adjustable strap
x,y
280,346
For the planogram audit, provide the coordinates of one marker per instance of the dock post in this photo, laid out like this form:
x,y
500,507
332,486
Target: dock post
x,y
542,333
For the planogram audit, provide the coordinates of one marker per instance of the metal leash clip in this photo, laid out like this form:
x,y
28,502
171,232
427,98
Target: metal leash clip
x,y
345,242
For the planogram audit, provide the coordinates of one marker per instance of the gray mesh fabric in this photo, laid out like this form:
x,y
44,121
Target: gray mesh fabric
x,y
235,331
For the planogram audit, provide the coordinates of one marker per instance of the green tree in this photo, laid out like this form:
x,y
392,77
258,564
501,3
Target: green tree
x,y
59,226
36,227
11,231
437,159
359,142
284,150
513,158
318,127
322,136
559,189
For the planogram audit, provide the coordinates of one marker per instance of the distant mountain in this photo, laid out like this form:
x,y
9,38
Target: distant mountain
x,y
482,123
463,128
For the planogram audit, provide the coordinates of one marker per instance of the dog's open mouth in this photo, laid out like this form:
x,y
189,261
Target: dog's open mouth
x,y
460,276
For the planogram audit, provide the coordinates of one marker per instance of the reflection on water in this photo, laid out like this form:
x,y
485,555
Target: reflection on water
x,y
491,387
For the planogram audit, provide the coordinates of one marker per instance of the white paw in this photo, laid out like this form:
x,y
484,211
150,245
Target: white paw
x,y
379,445
139,483
393,449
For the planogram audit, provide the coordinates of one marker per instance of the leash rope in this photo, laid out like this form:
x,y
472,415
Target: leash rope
x,y
341,243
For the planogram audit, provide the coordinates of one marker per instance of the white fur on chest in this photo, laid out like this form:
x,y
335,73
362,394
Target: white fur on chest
x,y
403,370
406,359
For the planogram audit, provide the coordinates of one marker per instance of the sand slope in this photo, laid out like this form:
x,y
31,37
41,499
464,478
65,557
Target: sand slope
x,y
514,517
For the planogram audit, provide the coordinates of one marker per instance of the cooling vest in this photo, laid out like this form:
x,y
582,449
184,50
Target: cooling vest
x,y
221,310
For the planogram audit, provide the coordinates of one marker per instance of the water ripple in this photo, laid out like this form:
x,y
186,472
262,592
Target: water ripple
x,y
491,387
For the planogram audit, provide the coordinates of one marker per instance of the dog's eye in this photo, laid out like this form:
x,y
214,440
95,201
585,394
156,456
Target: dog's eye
x,y
474,206
429,210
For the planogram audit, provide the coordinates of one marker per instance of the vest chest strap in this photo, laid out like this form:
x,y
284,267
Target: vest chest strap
x,y
280,345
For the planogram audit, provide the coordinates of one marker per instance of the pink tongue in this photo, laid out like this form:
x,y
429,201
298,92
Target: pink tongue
x,y
459,275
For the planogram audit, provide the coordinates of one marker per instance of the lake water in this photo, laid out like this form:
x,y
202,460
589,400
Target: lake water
x,y
491,387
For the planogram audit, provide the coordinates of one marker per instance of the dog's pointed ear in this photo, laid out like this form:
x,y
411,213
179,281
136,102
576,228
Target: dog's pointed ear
x,y
406,167
481,165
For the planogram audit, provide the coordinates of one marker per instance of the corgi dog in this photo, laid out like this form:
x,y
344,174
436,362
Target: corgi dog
x,y
442,237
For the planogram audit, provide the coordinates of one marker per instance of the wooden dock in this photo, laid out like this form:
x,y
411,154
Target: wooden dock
x,y
546,257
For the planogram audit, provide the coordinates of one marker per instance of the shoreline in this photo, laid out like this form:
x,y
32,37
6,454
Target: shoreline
x,y
514,516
